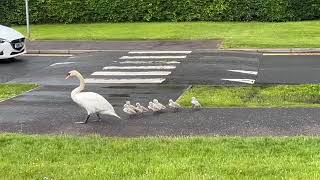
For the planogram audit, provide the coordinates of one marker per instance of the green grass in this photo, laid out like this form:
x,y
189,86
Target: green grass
x,y
11,90
235,35
63,157
252,96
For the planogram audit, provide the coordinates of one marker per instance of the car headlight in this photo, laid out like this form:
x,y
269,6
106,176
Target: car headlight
x,y
2,40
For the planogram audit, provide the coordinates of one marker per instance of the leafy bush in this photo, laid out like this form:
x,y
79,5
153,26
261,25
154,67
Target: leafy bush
x,y
84,11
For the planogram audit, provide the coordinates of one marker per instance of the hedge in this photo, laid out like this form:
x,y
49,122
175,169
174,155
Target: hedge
x,y
84,11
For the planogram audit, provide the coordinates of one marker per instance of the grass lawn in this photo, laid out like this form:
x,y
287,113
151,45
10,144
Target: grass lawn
x,y
11,90
235,35
63,157
252,96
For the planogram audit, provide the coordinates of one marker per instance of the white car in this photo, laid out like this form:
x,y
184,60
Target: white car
x,y
12,43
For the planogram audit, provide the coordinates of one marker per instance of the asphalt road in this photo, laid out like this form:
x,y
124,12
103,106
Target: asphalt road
x,y
50,109
289,70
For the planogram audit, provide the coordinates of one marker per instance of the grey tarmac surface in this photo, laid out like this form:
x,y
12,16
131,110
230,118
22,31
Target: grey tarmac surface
x,y
49,109
289,69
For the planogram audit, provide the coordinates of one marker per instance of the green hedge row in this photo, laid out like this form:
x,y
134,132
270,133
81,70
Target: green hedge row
x,y
83,11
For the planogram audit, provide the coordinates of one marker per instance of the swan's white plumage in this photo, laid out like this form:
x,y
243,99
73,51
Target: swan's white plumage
x,y
131,106
92,102
128,110
158,105
141,108
152,107
195,102
173,104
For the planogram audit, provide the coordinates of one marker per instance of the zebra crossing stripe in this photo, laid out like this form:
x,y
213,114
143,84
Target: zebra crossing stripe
x,y
124,81
139,67
150,62
159,52
153,57
126,73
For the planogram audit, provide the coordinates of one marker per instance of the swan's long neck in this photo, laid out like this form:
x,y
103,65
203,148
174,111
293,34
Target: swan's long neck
x,y
80,87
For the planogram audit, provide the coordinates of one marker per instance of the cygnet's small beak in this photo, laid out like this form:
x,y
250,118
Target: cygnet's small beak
x,y
68,75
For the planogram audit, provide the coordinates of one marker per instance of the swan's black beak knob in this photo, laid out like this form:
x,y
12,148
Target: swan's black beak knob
x,y
68,75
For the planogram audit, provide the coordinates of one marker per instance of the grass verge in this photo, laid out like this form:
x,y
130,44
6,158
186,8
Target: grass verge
x,y
252,96
8,91
63,157
235,35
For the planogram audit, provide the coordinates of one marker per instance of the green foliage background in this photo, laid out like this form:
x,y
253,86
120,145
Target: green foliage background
x,y
84,11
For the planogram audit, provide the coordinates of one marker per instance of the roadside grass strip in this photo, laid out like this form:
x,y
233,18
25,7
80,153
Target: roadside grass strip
x,y
304,34
8,91
280,96
66,157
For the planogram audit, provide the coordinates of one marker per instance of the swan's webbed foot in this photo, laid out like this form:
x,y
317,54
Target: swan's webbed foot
x,y
84,122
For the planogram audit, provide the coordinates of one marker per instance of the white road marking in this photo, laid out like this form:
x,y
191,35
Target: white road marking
x,y
248,81
159,52
62,63
139,67
49,55
153,57
149,62
245,72
126,73
125,81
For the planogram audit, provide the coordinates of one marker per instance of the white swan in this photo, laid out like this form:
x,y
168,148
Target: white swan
x,y
173,104
152,107
195,103
141,108
128,110
158,105
131,106
92,102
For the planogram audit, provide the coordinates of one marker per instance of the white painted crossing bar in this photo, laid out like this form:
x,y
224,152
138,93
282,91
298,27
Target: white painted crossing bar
x,y
149,62
247,81
159,52
245,72
124,81
153,57
62,63
139,67
126,73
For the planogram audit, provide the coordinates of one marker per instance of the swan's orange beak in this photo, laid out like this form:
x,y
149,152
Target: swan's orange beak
x,y
68,75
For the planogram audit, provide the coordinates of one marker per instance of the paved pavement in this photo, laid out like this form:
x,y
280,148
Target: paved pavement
x,y
50,109
124,45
